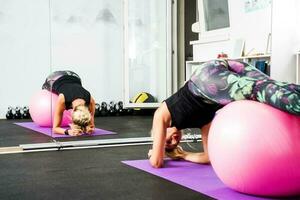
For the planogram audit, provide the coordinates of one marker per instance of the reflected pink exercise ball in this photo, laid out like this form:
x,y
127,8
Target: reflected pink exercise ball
x,y
255,149
41,109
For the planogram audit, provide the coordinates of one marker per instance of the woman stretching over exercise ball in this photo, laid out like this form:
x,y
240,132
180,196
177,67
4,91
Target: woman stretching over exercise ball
x,y
213,85
71,95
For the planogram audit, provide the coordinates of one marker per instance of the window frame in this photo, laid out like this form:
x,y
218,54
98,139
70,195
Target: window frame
x,y
221,34
169,58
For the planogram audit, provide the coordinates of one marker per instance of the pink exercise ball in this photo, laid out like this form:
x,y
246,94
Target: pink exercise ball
x,y
42,107
255,149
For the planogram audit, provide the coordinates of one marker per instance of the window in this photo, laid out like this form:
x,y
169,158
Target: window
x,y
214,19
147,55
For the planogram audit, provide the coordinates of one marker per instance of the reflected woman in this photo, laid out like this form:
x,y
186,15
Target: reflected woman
x,y
71,95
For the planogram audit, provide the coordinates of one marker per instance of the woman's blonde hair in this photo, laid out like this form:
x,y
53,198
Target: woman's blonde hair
x,y
176,153
81,117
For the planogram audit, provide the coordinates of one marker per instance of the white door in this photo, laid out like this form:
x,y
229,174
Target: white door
x,y
147,51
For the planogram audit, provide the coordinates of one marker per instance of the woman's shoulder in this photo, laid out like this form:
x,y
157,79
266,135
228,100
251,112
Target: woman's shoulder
x,y
61,98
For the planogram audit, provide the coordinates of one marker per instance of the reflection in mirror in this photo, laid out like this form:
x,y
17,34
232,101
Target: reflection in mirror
x,y
147,51
24,50
86,37
39,39
87,40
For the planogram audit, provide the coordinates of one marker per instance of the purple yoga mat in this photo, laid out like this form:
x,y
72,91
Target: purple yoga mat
x,y
200,178
48,131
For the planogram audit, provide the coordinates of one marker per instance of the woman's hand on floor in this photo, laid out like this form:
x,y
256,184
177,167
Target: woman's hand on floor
x,y
75,132
90,129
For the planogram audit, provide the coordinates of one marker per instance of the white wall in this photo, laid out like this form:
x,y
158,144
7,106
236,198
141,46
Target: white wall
x,y
282,19
85,37
24,50
285,39
254,27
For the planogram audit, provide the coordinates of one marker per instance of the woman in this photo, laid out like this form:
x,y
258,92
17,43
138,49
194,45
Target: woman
x,y
71,95
213,85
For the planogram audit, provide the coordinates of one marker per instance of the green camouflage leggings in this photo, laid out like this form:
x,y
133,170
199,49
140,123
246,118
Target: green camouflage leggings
x,y
226,81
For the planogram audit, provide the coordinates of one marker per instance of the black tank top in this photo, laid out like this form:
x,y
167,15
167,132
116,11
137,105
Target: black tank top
x,y
72,89
190,111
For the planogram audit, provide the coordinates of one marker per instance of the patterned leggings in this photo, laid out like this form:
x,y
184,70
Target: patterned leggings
x,y
48,84
226,81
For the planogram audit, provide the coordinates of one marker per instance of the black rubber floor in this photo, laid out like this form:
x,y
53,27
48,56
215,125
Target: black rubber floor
x,y
87,173
84,174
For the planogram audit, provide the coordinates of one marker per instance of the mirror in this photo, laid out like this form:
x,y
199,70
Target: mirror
x,y
24,63
87,37
38,39
147,61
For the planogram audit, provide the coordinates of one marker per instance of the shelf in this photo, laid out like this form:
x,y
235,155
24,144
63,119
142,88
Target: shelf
x,y
267,56
257,56
192,65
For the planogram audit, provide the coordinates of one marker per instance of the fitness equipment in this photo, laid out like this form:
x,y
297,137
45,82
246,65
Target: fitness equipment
x,y
103,109
143,97
9,114
42,106
116,109
21,113
119,108
26,114
255,149
111,108
13,113
97,110
18,114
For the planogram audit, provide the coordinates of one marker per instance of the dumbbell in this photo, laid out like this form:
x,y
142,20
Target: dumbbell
x,y
103,109
124,111
18,113
111,108
13,113
119,108
26,114
9,114
97,110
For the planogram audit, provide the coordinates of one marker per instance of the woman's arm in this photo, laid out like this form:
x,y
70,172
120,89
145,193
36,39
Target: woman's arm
x,y
92,110
91,127
161,122
204,136
58,114
57,118
199,157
